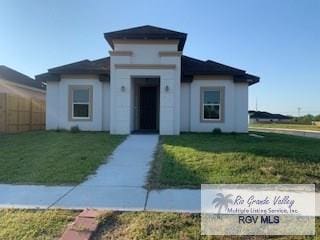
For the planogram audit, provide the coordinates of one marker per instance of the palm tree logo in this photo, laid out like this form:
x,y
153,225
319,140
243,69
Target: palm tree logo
x,y
222,201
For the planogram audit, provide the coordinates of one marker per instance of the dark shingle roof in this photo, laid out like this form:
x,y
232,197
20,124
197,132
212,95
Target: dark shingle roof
x,y
189,68
267,115
192,66
100,67
147,32
14,76
82,67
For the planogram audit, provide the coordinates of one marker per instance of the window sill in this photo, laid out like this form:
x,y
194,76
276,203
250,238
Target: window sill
x,y
212,120
80,119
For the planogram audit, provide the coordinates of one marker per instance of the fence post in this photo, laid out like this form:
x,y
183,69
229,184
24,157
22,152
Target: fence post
x,y
5,128
31,112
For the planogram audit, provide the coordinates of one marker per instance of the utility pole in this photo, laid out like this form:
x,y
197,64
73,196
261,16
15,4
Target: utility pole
x,y
299,110
256,104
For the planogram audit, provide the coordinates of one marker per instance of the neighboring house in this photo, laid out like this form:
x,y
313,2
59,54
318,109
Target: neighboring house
x,y
266,117
14,82
147,84
22,102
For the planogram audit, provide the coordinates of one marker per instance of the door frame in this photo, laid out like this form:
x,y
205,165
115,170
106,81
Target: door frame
x,y
137,84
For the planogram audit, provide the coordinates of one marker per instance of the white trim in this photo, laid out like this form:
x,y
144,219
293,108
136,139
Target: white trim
x,y
83,103
210,104
211,119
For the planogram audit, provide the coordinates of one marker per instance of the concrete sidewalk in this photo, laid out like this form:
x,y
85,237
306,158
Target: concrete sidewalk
x,y
99,197
125,199
294,132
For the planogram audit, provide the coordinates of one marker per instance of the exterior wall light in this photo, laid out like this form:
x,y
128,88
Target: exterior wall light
x,y
123,88
167,88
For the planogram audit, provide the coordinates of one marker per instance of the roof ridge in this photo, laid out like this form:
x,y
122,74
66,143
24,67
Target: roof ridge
x,y
99,59
144,26
68,64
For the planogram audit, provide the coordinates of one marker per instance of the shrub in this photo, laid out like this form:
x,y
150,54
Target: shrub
x,y
75,129
60,130
216,131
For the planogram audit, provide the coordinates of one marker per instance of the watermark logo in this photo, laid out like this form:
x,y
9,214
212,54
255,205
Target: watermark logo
x,y
222,201
249,209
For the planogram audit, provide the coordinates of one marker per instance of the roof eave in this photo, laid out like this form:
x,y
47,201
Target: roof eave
x,y
48,77
56,77
247,78
78,71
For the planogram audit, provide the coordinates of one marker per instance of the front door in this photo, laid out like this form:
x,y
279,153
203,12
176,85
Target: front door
x,y
148,108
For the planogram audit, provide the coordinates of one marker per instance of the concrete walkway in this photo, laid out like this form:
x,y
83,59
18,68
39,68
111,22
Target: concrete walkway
x,y
118,184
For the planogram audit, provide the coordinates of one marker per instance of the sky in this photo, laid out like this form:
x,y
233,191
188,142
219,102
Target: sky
x,y
276,40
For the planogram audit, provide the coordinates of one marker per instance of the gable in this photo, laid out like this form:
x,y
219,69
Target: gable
x,y
146,32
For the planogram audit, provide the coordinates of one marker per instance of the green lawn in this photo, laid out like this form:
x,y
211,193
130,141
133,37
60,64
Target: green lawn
x,y
287,126
34,224
53,157
169,226
189,160
50,224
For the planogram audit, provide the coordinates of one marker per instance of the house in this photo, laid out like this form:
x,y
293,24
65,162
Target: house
x,y
266,117
22,101
147,84
14,82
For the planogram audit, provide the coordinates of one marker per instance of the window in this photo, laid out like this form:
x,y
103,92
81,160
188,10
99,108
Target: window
x,y
81,102
212,104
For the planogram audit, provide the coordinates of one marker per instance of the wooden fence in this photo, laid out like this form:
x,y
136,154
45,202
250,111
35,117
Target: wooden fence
x,y
19,114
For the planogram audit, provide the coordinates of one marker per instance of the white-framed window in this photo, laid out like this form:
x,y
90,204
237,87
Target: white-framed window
x,y
81,103
212,104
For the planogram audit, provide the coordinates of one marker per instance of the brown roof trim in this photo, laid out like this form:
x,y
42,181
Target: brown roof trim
x,y
170,53
189,67
145,41
145,66
249,78
48,77
120,53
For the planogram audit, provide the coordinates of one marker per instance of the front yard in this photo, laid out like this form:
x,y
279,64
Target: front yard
x,y
53,157
50,224
169,226
34,224
190,159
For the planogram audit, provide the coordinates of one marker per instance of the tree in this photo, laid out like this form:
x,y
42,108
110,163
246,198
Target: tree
x,y
222,201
